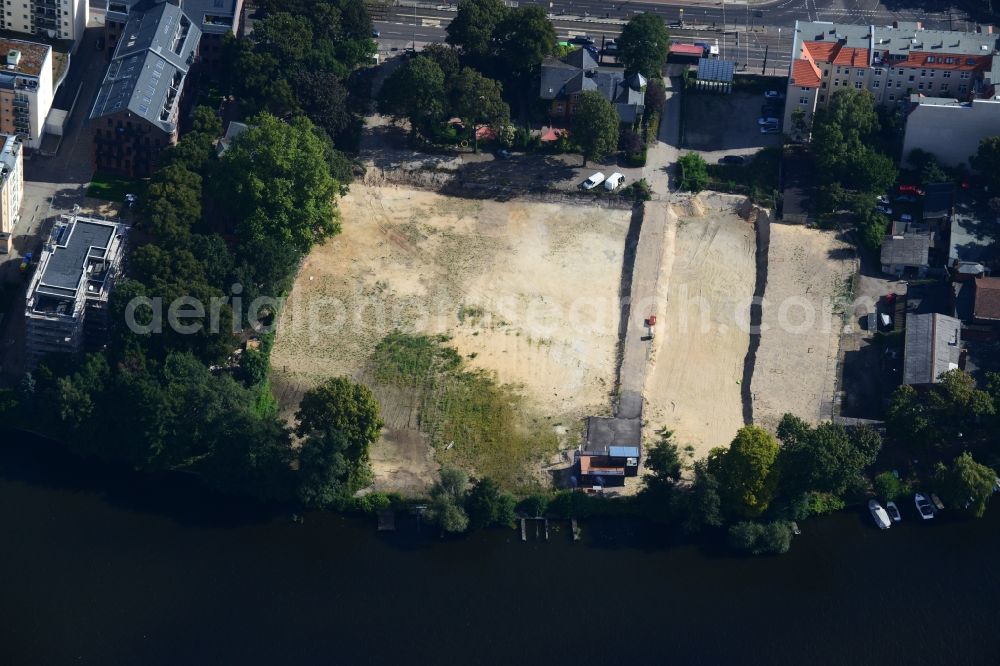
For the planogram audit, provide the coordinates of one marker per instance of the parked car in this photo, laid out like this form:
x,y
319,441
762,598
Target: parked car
x,y
733,159
893,511
769,129
996,486
882,199
910,189
767,121
906,198
614,181
906,217
376,34
591,49
504,154
924,507
592,182
773,94
582,39
879,515
611,47
884,208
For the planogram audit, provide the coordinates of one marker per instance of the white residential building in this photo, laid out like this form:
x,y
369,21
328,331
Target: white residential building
x,y
55,19
11,188
25,89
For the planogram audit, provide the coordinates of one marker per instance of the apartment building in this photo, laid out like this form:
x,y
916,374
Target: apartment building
x,y
892,62
55,19
25,89
137,108
67,299
214,18
11,188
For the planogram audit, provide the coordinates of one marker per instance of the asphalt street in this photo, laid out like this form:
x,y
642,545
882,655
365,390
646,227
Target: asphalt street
x,y
754,34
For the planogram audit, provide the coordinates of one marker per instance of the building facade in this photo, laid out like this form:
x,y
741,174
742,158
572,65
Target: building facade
x,y
950,130
214,18
137,108
11,188
55,19
891,62
67,299
25,89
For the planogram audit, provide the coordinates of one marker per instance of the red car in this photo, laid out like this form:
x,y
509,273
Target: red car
x,y
910,189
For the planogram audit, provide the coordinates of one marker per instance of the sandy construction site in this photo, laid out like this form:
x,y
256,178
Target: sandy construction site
x,y
808,274
702,334
525,289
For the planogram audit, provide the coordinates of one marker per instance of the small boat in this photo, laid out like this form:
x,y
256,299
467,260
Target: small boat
x,y
879,515
893,511
996,485
924,507
937,502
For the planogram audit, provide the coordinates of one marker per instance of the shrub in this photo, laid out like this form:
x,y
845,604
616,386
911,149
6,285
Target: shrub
x,y
638,191
693,172
888,487
533,505
761,538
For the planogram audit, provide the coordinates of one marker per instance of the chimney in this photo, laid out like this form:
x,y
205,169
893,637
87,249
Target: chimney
x,y
13,58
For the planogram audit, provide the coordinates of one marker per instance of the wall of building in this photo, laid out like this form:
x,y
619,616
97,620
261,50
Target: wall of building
x,y
65,19
951,132
127,144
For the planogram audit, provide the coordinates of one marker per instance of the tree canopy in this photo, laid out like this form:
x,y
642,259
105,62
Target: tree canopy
x,y
474,26
643,45
844,139
966,484
414,91
826,458
524,37
595,125
747,473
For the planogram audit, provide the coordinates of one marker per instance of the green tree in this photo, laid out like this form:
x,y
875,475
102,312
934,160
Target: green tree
x,y
254,366
966,484
285,37
643,45
488,505
324,99
525,36
414,91
477,99
663,460
693,172
448,500
843,136
325,470
250,457
338,405
595,126
987,161
656,94
172,204
474,25
747,473
873,227
825,459
888,487
761,538
275,187
705,502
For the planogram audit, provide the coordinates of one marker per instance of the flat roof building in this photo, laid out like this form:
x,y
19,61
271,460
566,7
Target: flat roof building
x,y
26,90
66,304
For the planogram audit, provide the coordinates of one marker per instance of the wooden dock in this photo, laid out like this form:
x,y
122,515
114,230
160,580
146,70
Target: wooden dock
x,y
524,532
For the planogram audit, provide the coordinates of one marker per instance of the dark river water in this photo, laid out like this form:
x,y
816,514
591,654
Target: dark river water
x,y
111,568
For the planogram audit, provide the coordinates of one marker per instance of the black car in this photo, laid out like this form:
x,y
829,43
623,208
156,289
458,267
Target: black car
x,y
100,43
582,39
733,159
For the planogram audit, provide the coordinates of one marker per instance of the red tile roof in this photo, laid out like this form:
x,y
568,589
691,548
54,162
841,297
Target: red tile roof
x,y
836,53
852,57
805,74
959,63
987,304
822,51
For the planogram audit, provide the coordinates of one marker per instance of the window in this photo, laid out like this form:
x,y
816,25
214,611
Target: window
x,y
961,89
945,75
931,74
923,73
878,71
921,86
805,89
859,85
836,82
949,60
900,71
970,61
803,100
899,84
930,59
944,87
963,75
824,84
822,98
911,77
838,70
892,98
860,73
876,84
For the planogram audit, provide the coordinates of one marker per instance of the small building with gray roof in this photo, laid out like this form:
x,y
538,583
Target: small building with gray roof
x,y
137,108
906,254
932,347
66,304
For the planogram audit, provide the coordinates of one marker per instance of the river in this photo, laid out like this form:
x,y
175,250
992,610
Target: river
x,y
98,567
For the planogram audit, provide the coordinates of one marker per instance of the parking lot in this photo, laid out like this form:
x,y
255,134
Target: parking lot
x,y
725,123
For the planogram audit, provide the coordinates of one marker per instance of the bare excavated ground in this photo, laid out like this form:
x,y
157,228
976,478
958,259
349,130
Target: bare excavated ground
x,y
808,276
526,290
702,329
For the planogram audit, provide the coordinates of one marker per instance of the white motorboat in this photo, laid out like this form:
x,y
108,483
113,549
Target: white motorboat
x,y
879,515
893,511
924,507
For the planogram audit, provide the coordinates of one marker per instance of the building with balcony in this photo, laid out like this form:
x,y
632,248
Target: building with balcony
x,y
137,108
214,18
11,188
67,300
25,89
891,62
55,19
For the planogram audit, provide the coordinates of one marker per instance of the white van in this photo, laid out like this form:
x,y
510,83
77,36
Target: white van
x,y
592,182
614,181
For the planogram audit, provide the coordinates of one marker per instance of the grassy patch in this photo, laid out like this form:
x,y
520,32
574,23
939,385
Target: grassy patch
x,y
473,421
757,179
113,188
